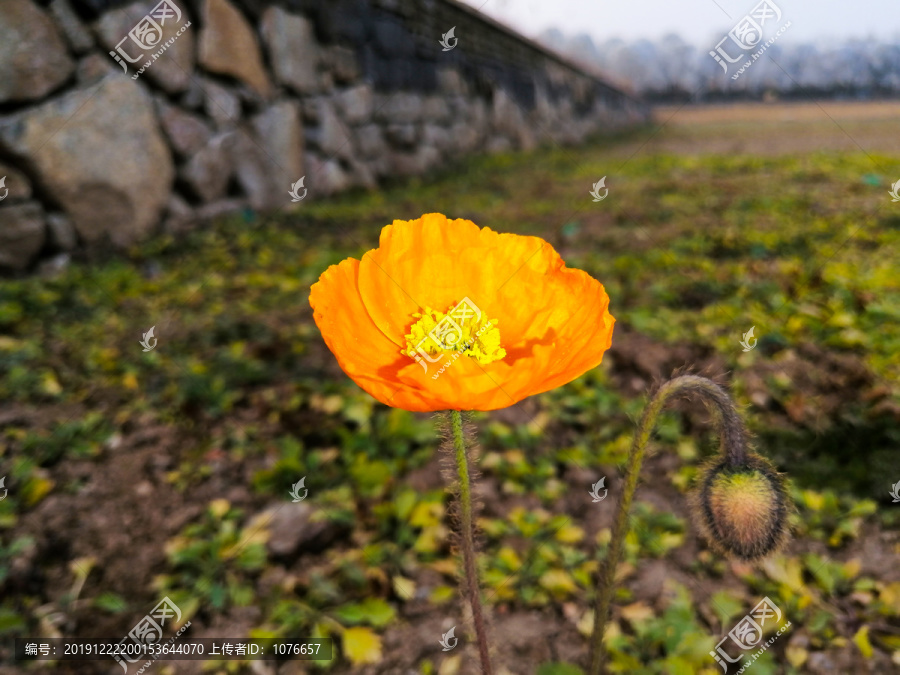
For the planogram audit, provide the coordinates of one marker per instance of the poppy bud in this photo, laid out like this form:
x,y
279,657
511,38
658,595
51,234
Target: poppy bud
x,y
743,508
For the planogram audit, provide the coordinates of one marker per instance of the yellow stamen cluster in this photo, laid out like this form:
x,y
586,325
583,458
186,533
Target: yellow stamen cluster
x,y
438,333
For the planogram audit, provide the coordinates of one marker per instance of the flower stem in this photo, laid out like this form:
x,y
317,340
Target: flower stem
x,y
734,445
467,537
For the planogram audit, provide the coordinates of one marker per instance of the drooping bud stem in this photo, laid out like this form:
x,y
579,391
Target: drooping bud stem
x,y
742,501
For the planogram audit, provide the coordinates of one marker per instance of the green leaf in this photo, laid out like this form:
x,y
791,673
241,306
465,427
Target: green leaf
x,y
373,611
559,669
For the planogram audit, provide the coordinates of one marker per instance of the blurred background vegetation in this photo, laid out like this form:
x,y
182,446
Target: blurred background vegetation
x,y
134,475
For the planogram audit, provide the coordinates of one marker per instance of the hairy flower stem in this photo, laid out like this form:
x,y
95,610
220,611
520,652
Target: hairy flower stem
x,y
734,446
467,537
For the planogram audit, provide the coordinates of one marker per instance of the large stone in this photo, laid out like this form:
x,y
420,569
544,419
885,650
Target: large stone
x,y
228,46
401,135
437,136
61,233
451,82
93,68
400,108
355,104
437,109
370,141
414,163
294,529
172,68
187,133
21,234
292,47
280,134
14,185
254,172
342,63
325,176
221,104
33,56
97,152
331,136
208,170
78,36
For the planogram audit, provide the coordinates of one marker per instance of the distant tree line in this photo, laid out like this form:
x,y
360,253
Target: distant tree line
x,y
672,70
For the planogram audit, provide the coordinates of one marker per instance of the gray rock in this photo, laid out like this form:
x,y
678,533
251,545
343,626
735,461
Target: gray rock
x,y
33,55
21,234
400,108
341,63
451,82
222,105
325,176
280,134
465,138
331,136
78,36
93,68
506,116
498,144
208,170
437,136
61,233
361,174
195,96
355,104
187,133
292,48
401,135
414,163
254,173
16,186
370,141
98,153
53,266
295,528
228,46
172,69
179,215
436,109
220,208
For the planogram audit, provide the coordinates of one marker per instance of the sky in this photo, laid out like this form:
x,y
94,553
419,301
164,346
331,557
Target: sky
x,y
697,21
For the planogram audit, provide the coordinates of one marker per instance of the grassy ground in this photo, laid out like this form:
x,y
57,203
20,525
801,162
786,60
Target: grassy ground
x,y
134,475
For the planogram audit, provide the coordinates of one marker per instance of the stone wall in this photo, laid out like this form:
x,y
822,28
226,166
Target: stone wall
x,y
109,133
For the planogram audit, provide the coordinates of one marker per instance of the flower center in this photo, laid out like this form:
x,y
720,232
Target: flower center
x,y
463,328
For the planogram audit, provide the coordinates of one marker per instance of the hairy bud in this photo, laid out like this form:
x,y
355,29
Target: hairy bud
x,y
743,509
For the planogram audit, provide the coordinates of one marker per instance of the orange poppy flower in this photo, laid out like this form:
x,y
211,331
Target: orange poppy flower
x,y
445,315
